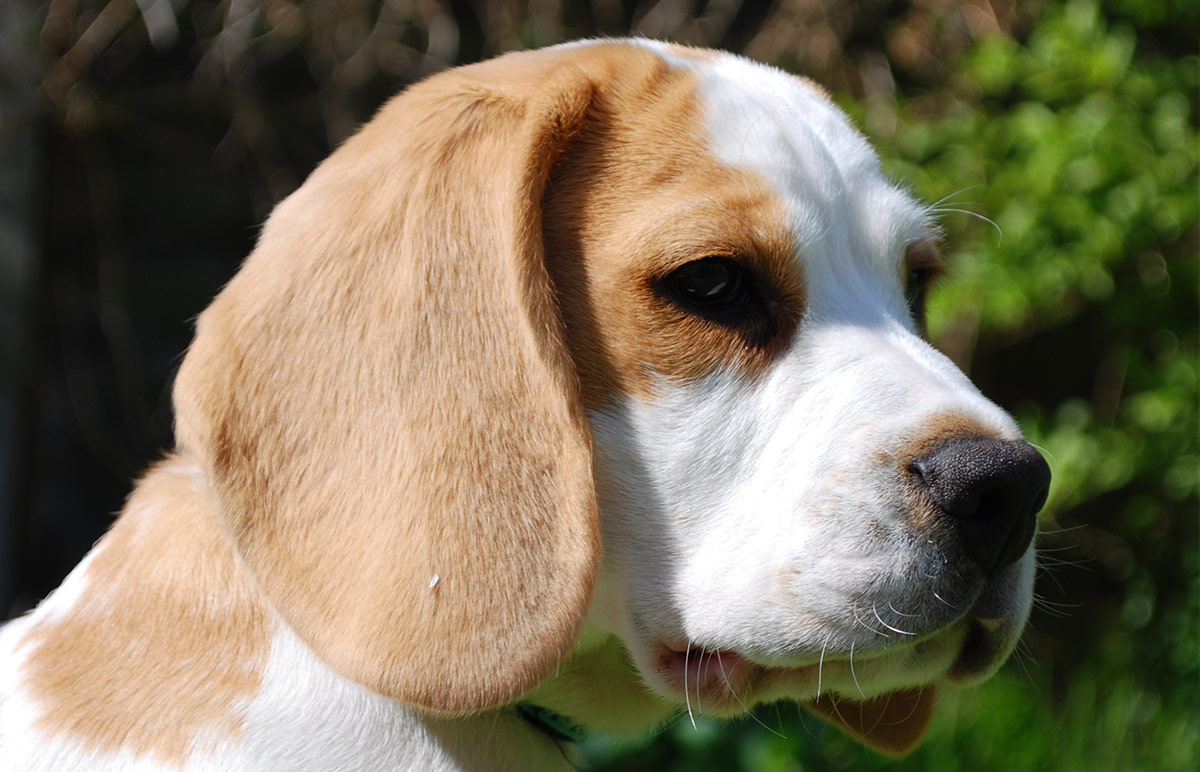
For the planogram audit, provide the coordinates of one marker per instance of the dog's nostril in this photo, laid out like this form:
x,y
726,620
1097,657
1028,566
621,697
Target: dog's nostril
x,y
991,490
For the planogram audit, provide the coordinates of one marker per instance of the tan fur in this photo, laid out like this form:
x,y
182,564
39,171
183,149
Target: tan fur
x,y
937,431
382,396
637,195
163,596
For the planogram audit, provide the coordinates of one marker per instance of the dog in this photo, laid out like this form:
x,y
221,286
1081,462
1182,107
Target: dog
x,y
580,388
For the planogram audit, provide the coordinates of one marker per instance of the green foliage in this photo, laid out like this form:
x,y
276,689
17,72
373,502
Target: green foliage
x,y
1077,309
1086,159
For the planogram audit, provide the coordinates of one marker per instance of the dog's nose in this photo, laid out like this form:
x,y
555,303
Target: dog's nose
x,y
991,490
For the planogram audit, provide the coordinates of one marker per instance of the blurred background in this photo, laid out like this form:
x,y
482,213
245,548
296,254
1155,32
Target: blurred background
x,y
142,142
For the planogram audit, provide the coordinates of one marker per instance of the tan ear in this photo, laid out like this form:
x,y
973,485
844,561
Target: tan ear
x,y
892,723
385,406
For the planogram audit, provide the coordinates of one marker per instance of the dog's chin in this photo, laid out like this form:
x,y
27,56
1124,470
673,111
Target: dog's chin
x,y
964,647
987,644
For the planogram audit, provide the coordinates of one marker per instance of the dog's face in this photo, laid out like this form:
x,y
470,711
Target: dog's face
x,y
746,291
621,331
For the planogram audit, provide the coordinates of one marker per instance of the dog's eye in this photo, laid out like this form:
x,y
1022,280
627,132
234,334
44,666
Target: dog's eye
x,y
916,288
712,284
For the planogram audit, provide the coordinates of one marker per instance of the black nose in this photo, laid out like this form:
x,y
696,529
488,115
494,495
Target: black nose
x,y
991,490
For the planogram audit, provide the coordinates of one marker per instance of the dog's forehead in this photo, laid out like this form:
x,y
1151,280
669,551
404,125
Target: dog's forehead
x,y
787,131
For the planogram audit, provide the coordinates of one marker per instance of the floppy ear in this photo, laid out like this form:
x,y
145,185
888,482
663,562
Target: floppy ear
x,y
892,723
385,407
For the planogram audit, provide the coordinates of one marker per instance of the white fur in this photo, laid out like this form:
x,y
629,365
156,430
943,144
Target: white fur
x,y
737,516
305,717
730,522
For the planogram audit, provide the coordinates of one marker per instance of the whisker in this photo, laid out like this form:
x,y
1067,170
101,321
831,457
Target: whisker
x,y
934,206
821,667
1061,530
672,721
943,600
1039,447
887,701
1048,572
875,611
864,625
1053,566
1047,559
852,675
1023,649
1024,659
779,722
1064,548
687,698
746,710
976,215
898,612
1055,608
911,713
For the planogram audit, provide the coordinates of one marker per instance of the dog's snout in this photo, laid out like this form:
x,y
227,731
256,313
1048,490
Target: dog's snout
x,y
991,491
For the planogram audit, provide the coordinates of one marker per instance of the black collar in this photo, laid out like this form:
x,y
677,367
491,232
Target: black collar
x,y
554,725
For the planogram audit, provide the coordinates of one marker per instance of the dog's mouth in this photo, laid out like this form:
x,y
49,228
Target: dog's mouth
x,y
722,681
696,672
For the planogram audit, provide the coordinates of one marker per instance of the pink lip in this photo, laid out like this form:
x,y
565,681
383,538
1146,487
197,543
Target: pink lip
x,y
722,680
699,671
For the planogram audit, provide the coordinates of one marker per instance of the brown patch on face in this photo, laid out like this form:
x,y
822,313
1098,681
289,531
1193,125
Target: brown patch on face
x,y
936,432
637,195
167,642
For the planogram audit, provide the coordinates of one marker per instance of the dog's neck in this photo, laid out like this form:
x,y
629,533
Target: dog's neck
x,y
599,689
346,724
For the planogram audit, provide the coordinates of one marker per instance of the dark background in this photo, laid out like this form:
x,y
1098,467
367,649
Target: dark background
x,y
142,142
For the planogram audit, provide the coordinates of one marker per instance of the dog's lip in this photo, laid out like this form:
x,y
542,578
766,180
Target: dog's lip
x,y
695,670
690,666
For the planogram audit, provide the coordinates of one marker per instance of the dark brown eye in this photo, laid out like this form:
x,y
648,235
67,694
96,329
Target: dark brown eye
x,y
923,267
914,287
712,284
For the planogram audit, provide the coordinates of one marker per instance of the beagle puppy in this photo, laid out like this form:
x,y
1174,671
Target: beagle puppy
x,y
580,388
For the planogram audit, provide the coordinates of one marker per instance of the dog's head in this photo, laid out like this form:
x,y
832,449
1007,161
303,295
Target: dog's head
x,y
618,328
